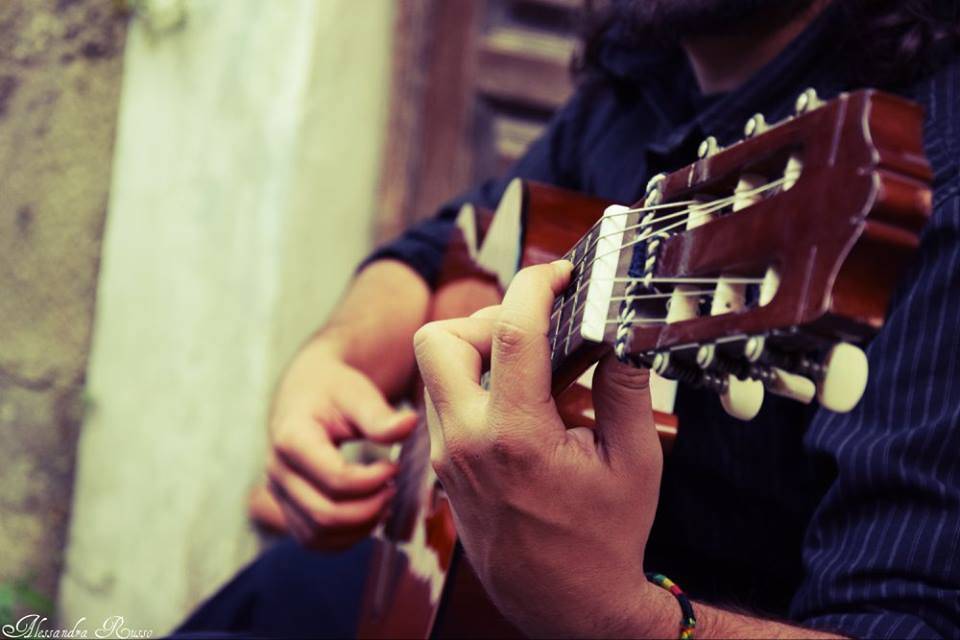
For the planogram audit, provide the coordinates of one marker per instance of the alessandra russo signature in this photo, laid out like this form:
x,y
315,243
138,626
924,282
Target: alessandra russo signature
x,y
35,626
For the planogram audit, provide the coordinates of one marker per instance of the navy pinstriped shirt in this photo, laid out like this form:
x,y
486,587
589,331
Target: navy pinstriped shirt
x,y
848,523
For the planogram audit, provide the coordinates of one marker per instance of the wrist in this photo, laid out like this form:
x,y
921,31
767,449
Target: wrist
x,y
318,360
388,363
656,612
331,342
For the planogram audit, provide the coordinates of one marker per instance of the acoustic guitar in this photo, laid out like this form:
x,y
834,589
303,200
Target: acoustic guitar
x,y
759,268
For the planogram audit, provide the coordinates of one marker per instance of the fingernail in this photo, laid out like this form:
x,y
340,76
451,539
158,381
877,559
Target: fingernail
x,y
564,266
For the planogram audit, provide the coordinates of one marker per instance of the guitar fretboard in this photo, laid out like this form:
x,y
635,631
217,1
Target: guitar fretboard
x,y
568,307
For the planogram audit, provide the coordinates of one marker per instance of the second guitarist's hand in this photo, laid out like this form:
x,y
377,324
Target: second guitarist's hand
x,y
328,502
338,388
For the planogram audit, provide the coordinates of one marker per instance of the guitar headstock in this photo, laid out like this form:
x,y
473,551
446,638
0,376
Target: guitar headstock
x,y
762,265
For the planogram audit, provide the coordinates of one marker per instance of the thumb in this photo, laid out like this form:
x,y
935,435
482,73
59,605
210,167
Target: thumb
x,y
366,408
621,398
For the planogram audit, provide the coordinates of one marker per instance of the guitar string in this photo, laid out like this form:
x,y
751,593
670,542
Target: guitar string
x,y
684,280
696,214
655,207
693,214
639,321
596,241
564,328
647,296
690,204
567,325
678,280
652,207
655,296
698,209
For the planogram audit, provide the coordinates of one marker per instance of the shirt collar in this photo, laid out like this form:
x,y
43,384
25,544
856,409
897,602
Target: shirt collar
x,y
774,88
666,82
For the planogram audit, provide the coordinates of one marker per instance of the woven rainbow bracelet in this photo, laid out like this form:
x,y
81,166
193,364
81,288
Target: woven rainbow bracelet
x,y
688,622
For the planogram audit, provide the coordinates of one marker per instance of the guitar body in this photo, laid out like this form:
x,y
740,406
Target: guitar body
x,y
419,583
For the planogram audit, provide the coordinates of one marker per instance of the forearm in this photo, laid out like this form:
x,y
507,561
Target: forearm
x,y
373,325
658,616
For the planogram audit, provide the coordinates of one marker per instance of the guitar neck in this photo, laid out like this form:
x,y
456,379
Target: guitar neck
x,y
584,321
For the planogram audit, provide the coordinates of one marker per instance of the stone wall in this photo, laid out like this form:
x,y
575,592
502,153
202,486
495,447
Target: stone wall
x,y
60,74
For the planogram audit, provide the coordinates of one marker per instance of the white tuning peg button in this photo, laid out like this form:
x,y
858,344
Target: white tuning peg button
x,y
755,126
807,101
742,399
708,147
844,378
790,385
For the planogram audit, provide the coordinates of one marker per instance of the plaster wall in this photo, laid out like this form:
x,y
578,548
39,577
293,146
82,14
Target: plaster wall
x,y
245,172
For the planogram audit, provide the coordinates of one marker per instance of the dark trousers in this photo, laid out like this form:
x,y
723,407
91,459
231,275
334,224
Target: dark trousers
x,y
287,592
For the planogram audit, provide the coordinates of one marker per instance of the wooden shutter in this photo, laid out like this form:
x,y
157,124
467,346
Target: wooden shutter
x,y
474,83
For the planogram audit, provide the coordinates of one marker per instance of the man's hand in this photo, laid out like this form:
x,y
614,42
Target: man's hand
x,y
329,503
555,521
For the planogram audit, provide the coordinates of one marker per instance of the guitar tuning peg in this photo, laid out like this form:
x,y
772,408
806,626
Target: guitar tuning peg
x,y
708,147
706,356
754,348
807,102
777,381
789,385
661,363
742,399
844,378
755,126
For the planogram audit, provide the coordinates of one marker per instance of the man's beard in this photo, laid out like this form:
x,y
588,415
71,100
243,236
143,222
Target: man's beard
x,y
673,20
